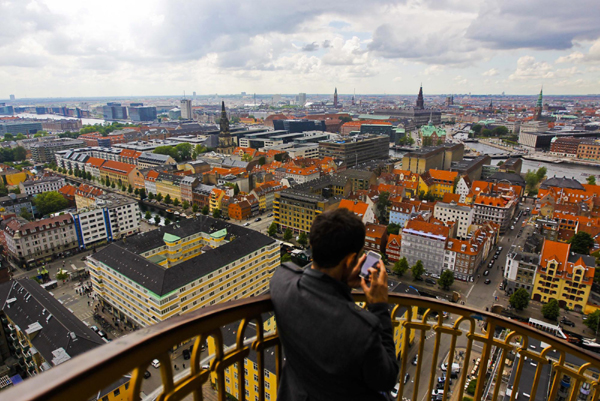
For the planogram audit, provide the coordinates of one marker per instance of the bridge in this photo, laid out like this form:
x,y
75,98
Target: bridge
x,y
495,155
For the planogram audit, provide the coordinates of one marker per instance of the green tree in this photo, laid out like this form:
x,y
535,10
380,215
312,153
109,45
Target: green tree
x,y
477,129
418,270
112,185
195,208
400,267
158,197
236,189
199,149
25,214
150,195
184,150
541,173
581,243
168,199
246,157
70,171
593,320
216,213
185,205
157,219
287,235
205,210
20,136
62,275
130,189
176,202
167,221
8,137
273,230
551,310
446,279
88,175
472,387
262,161
286,257
486,132
345,119
519,299
148,215
49,202
19,153
302,239
500,131
531,179
393,228
169,151
591,180
382,206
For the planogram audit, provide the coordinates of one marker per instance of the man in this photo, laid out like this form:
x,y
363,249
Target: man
x,y
334,350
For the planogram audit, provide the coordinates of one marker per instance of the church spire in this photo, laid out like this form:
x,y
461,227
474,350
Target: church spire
x,y
224,121
335,99
540,101
420,101
537,114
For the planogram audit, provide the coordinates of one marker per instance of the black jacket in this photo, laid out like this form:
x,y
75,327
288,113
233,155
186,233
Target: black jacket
x,y
334,350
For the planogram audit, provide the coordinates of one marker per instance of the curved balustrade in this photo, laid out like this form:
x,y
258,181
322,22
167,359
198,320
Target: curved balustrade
x,y
500,340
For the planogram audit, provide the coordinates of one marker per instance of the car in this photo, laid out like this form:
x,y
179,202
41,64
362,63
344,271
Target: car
x,y
434,275
512,227
430,281
186,354
567,322
101,333
495,256
257,219
95,329
156,363
491,264
206,367
394,392
246,224
147,375
487,281
406,378
419,278
485,273
270,215
500,248
415,360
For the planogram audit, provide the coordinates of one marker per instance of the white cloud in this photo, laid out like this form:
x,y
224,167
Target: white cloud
x,y
492,72
574,57
434,70
528,68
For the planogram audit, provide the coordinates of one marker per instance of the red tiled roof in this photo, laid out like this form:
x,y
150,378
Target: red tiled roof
x,y
117,167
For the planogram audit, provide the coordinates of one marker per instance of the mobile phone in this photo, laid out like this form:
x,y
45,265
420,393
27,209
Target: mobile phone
x,y
371,261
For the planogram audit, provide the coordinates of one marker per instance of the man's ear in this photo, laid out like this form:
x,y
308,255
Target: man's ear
x,y
350,260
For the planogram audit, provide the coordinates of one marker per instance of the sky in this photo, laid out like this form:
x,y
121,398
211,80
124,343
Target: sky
x,y
74,48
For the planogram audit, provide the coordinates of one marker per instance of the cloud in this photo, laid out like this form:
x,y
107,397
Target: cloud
x,y
433,70
310,47
492,72
528,68
326,44
571,58
349,52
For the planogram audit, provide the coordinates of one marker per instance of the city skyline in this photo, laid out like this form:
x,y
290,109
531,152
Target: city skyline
x,y
63,48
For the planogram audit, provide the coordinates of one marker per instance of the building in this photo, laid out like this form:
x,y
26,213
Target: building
x,y
6,110
522,261
437,182
149,160
301,99
361,209
565,146
433,157
461,214
110,218
376,237
426,242
299,126
16,203
168,184
122,174
465,257
40,331
360,179
114,111
296,208
48,184
392,249
496,208
44,152
473,168
142,113
564,276
356,150
226,141
19,127
588,149
417,115
39,241
179,268
186,109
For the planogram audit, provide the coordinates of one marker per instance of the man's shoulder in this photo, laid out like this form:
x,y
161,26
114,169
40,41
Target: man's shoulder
x,y
285,273
364,315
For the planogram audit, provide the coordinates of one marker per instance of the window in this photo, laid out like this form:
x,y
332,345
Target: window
x,y
116,392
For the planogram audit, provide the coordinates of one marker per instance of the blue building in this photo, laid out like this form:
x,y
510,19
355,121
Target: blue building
x,y
142,113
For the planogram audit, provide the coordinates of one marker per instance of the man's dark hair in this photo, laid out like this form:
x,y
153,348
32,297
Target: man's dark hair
x,y
334,235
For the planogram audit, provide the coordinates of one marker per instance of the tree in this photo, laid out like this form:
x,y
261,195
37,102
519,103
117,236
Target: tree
x,y
246,157
184,150
345,119
519,299
500,131
148,215
262,161
19,153
150,195
158,197
477,129
400,267
195,208
185,205
593,320
302,239
382,206
531,179
486,132
205,210
21,136
418,270
472,387
551,310
25,214
49,202
581,243
8,137
157,219
541,173
62,275
287,235
393,228
71,171
88,175
168,200
591,180
112,185
446,279
167,221
273,230
169,151
176,202
130,189
286,257
199,149
216,213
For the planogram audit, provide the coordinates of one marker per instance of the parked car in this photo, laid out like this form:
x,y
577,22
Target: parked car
x,y
186,354
246,224
485,273
500,248
101,333
147,374
406,378
95,329
394,392
567,322
257,219
156,363
430,281
270,215
487,281
415,360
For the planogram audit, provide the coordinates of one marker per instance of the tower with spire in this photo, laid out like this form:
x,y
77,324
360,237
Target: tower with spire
x,y
226,144
537,115
491,107
335,99
420,101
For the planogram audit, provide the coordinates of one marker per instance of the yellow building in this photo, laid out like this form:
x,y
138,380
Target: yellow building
x,y
437,182
115,392
196,263
216,197
169,184
564,276
13,176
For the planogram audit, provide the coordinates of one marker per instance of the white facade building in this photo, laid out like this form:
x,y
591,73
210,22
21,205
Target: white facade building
x,y
43,185
461,214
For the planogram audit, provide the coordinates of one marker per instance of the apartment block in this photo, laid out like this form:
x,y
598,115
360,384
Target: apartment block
x,y
461,214
178,268
43,152
426,242
16,203
34,187
356,150
522,261
465,257
496,208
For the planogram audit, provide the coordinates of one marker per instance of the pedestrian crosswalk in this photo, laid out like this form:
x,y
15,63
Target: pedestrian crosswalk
x,y
85,315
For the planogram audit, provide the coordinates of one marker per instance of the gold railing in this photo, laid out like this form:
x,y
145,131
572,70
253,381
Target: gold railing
x,y
85,375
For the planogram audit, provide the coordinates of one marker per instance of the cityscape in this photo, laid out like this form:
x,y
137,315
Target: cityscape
x,y
140,227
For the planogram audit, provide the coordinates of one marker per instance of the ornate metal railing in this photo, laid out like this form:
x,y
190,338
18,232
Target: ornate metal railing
x,y
499,338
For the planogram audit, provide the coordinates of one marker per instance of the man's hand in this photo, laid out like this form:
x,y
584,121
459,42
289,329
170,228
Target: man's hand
x,y
378,290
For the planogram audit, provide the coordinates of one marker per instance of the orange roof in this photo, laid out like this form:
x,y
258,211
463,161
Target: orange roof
x,y
394,237
95,162
130,153
358,208
117,167
67,190
448,197
418,224
443,175
376,230
488,200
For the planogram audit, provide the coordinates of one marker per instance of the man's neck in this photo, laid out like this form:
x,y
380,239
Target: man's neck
x,y
333,272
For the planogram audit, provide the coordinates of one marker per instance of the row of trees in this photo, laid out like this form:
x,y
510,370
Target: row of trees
x,y
11,155
533,178
401,266
481,131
